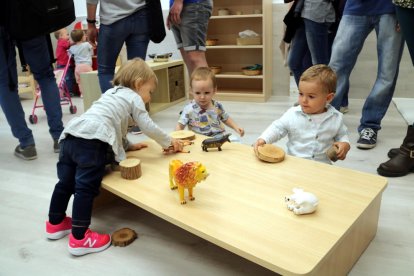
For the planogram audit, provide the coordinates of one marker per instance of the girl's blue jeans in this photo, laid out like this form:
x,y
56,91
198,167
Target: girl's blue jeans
x,y
80,170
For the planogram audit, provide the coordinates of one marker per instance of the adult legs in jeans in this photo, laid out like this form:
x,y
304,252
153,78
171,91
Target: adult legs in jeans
x,y
389,47
317,37
80,170
299,58
349,40
9,98
401,159
37,56
134,31
406,19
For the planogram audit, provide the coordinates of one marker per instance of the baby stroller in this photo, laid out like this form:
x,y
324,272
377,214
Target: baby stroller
x,y
65,99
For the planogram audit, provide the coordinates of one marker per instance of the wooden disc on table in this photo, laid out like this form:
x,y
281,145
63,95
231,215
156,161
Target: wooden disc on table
x,y
183,135
270,153
130,168
123,237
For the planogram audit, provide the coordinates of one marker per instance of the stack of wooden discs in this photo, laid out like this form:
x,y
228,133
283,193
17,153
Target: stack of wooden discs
x,y
270,153
183,135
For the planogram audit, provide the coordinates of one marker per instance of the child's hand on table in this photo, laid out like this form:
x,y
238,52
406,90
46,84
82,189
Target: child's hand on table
x,y
137,146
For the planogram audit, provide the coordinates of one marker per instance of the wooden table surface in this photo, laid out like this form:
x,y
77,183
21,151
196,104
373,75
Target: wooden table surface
x,y
240,206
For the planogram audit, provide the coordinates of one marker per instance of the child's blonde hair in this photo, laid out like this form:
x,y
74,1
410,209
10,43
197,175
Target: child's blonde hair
x,y
323,74
203,73
76,35
133,70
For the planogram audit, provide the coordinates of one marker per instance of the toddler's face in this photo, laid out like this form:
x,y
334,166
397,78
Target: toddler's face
x,y
312,98
203,92
146,89
63,34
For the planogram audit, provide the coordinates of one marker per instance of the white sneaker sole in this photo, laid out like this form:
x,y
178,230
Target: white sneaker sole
x,y
366,146
58,235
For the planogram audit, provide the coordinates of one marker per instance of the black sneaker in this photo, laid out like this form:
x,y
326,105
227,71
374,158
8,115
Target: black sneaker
x,y
27,153
135,130
367,139
56,146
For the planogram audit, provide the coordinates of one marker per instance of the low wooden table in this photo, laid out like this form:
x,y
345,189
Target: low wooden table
x,y
241,207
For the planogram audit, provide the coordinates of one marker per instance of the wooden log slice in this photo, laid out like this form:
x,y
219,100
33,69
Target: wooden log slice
x,y
123,237
130,168
183,135
270,153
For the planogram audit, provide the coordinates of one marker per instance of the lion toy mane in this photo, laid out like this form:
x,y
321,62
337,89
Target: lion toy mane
x,y
186,176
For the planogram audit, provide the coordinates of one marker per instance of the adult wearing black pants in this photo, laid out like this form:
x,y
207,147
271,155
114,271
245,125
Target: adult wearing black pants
x,y
402,160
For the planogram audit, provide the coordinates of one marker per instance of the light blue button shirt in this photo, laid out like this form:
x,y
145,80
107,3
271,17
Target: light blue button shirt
x,y
306,137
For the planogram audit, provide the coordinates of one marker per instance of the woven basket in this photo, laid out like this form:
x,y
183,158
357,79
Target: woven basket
x,y
252,72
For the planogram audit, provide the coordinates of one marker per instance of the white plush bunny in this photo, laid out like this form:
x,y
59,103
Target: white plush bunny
x,y
301,202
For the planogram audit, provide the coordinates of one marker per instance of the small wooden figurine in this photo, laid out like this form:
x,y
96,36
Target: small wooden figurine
x,y
301,202
215,142
186,176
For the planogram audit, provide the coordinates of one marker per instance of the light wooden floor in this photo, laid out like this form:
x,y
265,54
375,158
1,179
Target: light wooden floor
x,y
162,248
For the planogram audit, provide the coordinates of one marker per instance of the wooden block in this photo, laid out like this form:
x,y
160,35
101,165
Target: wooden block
x,y
130,168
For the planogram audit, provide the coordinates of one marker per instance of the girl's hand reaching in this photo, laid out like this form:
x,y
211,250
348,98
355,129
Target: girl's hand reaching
x,y
176,146
137,146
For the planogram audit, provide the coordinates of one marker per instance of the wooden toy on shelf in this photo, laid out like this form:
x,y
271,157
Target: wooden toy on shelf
x,y
186,176
215,142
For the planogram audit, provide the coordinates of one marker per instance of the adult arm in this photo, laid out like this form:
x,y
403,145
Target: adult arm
x,y
174,17
91,7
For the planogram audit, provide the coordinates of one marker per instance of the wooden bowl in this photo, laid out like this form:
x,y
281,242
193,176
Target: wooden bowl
x,y
215,69
270,153
211,42
223,11
183,135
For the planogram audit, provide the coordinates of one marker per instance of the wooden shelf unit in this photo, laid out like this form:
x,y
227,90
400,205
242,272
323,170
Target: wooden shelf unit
x,y
232,84
171,87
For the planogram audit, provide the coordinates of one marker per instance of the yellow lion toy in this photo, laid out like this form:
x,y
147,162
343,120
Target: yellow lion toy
x,y
186,176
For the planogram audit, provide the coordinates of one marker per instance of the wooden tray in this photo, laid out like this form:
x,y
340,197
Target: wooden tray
x,y
270,153
183,135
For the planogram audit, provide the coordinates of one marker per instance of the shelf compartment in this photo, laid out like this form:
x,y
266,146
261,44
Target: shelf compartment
x,y
242,85
236,60
227,34
247,7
